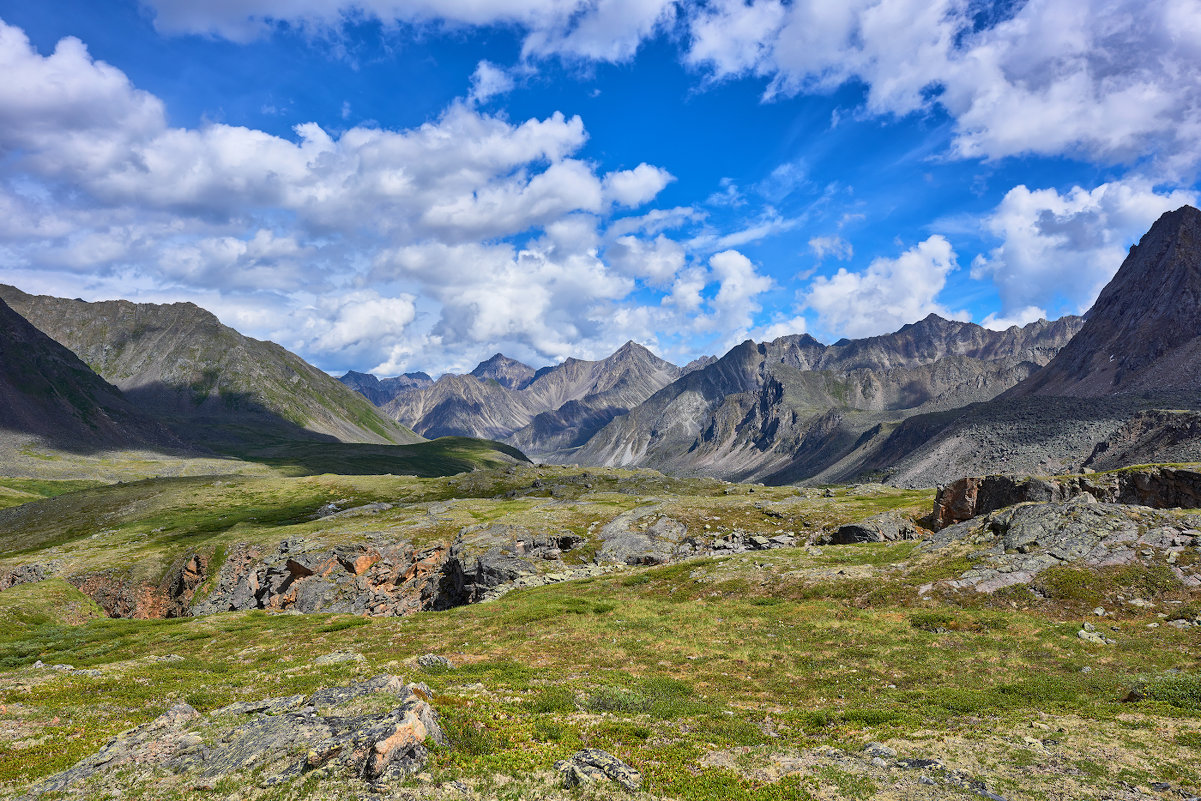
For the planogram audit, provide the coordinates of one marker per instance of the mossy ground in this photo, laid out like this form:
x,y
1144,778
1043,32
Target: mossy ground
x,y
719,678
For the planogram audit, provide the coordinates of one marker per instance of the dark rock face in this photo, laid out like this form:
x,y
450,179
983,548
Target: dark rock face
x,y
283,738
1144,332
885,527
1021,541
1161,488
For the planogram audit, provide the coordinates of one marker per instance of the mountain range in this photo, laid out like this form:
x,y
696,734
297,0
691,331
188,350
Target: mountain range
x,y
932,401
937,398
45,390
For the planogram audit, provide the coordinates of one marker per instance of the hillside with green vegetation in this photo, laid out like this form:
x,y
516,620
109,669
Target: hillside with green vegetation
x,y
178,362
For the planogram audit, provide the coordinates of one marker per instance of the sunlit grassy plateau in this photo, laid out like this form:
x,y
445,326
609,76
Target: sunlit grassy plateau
x,y
718,677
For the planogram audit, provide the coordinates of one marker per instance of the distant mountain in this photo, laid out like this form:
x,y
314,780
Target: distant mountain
x,y
795,409
509,373
544,413
1144,332
461,405
47,392
381,390
1123,391
580,397
179,363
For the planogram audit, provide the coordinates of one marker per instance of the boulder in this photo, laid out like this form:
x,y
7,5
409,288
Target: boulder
x,y
593,764
885,527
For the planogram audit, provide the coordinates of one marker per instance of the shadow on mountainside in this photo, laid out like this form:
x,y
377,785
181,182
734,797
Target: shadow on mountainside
x,y
235,425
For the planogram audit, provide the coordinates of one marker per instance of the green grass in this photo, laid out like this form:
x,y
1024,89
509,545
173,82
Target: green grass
x,y
703,674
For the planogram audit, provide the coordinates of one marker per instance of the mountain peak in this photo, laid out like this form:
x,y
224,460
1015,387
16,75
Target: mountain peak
x,y
507,372
1144,332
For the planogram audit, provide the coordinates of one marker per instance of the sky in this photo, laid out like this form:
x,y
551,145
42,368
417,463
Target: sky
x,y
401,185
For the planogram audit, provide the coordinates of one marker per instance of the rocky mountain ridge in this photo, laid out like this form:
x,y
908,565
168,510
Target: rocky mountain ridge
x,y
1143,334
795,409
1123,391
381,390
545,412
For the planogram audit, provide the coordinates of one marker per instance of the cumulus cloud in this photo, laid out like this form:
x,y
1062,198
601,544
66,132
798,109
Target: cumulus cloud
x,y
488,81
1020,317
1109,80
888,294
637,186
471,229
1058,250
657,260
734,305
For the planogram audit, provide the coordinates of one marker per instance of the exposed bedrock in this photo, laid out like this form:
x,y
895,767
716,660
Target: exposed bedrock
x,y
1159,488
276,740
1019,542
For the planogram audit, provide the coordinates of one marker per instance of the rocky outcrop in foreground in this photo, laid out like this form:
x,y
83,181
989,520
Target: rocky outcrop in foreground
x,y
276,740
1159,488
1019,542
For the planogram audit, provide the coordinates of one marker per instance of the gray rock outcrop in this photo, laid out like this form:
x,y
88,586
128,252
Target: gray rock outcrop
x,y
1015,544
1157,487
885,527
593,765
277,739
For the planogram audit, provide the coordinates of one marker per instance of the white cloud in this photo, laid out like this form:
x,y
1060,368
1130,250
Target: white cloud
x,y
734,306
1058,250
358,322
1113,80
779,328
637,186
887,295
831,246
608,30
473,230
489,81
1020,317
656,260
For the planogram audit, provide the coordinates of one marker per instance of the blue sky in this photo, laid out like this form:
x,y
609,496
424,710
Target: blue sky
x,y
401,185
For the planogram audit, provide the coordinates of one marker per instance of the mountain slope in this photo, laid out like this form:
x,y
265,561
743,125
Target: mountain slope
x,y
583,397
181,364
381,390
1144,332
545,414
794,408
1122,391
46,391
